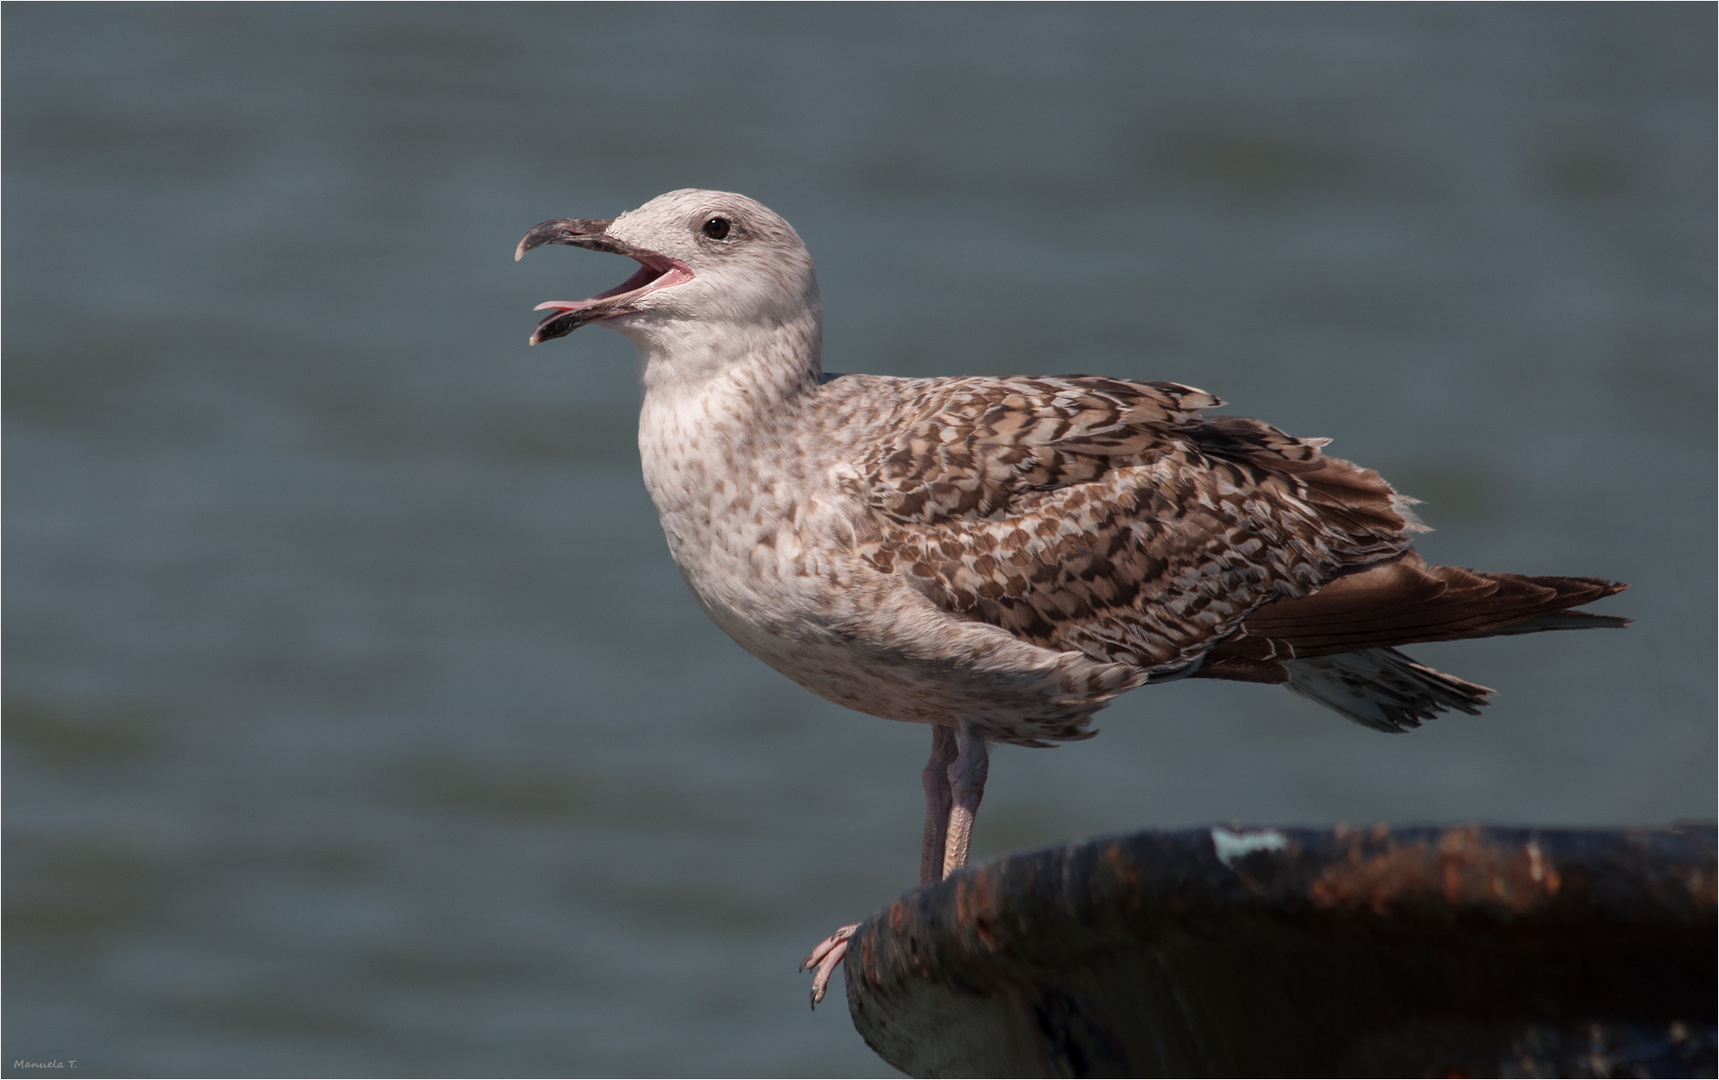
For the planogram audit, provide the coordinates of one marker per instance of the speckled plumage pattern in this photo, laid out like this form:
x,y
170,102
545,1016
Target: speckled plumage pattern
x,y
1106,517
1019,551
1004,556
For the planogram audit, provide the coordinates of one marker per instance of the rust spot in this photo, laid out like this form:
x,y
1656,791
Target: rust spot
x,y
1120,866
977,904
1541,870
897,915
1462,870
1703,887
867,958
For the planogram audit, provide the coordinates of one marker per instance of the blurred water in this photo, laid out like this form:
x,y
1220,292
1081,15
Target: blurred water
x,y
356,721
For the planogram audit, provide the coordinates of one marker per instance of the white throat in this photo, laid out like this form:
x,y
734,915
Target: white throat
x,y
692,356
714,391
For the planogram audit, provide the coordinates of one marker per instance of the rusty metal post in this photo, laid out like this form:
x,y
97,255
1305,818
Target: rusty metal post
x,y
1304,952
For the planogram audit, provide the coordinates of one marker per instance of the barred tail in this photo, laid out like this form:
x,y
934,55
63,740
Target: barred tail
x,y
1382,689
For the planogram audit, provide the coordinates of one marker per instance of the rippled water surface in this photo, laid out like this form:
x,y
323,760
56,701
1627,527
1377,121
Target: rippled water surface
x,y
356,721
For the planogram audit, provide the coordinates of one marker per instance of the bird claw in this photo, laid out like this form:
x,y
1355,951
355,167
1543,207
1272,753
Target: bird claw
x,y
825,958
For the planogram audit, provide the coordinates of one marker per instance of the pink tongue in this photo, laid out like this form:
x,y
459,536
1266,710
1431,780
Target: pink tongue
x,y
643,276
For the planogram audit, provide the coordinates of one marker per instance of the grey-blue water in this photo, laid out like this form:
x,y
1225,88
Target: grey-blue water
x,y
356,720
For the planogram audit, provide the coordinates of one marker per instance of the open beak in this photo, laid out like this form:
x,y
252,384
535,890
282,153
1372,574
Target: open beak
x,y
655,272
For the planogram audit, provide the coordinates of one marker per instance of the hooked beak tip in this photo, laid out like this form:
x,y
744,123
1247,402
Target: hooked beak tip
x,y
577,232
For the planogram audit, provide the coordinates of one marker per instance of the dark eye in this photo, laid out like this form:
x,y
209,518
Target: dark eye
x,y
716,228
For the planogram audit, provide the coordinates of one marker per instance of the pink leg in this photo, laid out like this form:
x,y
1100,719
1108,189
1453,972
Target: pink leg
x,y
967,779
938,800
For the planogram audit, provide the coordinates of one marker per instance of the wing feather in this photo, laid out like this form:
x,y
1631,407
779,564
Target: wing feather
x,y
1110,517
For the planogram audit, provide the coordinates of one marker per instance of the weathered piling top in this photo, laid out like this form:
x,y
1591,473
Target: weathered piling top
x,y
1253,951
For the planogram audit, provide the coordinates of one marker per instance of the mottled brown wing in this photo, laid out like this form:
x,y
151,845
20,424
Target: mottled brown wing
x,y
1106,516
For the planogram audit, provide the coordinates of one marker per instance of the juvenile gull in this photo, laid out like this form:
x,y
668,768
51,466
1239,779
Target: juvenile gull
x,y
1000,557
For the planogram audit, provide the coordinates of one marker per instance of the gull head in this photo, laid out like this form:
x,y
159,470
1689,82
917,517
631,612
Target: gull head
x,y
707,257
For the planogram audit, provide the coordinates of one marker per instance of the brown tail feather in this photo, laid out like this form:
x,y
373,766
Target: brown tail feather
x,y
1335,646
1396,603
1561,620
1406,601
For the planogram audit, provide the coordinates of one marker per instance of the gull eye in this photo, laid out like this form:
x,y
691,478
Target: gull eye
x,y
716,228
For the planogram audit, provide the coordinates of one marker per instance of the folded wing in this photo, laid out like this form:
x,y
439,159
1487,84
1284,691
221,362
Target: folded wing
x,y
1109,517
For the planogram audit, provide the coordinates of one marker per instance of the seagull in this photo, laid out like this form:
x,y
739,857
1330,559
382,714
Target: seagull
x,y
1000,557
